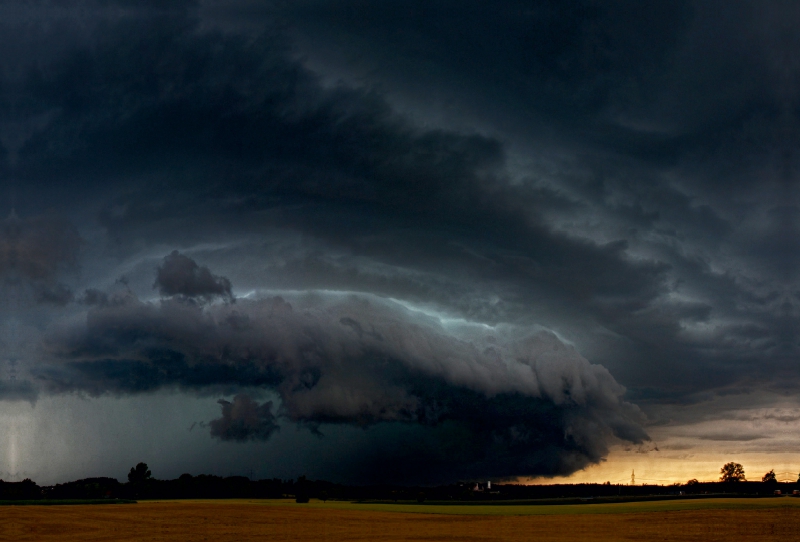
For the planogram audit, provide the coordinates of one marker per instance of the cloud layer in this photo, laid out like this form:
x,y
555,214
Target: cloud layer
x,y
417,218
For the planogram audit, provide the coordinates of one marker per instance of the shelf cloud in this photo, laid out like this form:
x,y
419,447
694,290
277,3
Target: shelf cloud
x,y
524,403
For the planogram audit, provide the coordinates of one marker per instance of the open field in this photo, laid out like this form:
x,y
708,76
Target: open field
x,y
738,503
241,520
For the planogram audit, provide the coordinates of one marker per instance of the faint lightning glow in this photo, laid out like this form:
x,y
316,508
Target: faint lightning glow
x,y
447,321
443,319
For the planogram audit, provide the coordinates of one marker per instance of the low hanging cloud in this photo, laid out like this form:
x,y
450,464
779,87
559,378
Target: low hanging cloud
x,y
244,419
521,403
180,275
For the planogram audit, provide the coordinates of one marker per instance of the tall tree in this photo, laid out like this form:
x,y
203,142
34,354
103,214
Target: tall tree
x,y
732,472
139,474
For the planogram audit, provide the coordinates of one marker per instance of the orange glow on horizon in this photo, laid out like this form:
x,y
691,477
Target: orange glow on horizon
x,y
665,470
699,439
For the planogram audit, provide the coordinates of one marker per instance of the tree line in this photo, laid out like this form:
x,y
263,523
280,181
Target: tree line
x,y
142,485
734,472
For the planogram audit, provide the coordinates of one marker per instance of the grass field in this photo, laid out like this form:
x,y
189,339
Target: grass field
x,y
243,520
562,509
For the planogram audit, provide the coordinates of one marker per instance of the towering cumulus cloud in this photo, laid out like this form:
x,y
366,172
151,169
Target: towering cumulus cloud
x,y
510,402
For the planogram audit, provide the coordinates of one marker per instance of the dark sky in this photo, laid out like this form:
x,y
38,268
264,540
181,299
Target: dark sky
x,y
408,240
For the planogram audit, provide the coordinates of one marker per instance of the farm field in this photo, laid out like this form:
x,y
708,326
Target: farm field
x,y
737,503
241,520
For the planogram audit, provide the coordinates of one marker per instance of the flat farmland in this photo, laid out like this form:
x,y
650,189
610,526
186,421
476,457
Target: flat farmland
x,y
240,520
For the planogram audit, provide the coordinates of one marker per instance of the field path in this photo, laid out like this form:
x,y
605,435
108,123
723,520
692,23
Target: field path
x,y
221,521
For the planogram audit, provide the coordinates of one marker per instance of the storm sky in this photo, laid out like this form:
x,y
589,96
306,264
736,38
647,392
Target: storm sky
x,y
399,240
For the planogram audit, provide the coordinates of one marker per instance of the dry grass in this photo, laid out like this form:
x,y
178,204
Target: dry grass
x,y
265,520
498,509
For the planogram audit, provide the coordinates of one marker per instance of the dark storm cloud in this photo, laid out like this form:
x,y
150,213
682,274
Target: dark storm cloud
x,y
19,390
521,403
244,419
224,147
657,82
619,173
681,125
180,275
227,135
635,92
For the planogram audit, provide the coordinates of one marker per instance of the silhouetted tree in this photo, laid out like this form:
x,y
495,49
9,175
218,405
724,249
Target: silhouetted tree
x,y
323,496
732,472
421,497
139,474
770,477
692,482
301,490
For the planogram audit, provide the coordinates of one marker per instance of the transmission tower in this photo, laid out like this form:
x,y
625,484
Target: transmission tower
x,y
633,478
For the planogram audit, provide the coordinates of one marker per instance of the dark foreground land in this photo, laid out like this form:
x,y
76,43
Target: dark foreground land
x,y
240,487
229,520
